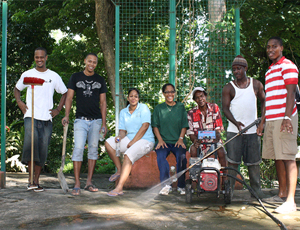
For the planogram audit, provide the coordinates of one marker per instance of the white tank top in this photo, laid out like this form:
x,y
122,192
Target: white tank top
x,y
243,108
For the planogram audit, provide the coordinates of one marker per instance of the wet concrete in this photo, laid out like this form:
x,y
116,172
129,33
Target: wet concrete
x,y
136,209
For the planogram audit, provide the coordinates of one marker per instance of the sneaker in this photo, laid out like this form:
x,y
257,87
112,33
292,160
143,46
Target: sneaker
x,y
39,189
31,186
181,191
165,190
286,207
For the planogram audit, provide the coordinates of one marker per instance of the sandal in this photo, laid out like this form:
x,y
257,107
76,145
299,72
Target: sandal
x,y
114,193
76,191
91,188
114,177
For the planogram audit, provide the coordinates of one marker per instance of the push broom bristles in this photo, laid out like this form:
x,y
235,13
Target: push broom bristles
x,y
33,81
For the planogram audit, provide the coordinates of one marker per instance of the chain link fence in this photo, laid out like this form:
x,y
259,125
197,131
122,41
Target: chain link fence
x,y
205,47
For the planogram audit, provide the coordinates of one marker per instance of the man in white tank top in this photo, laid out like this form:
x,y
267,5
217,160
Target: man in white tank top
x,y
239,106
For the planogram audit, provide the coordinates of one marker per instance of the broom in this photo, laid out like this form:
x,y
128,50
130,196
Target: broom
x,y
60,175
32,81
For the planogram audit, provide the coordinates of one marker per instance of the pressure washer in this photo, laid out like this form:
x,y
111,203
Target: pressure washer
x,y
207,172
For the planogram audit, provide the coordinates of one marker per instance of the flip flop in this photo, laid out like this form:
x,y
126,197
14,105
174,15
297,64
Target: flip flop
x,y
91,188
114,177
76,191
113,193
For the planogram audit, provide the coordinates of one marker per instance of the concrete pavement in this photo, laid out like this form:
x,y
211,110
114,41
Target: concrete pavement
x,y
136,209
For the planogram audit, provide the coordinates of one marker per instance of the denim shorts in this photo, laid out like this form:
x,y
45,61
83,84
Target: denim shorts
x,y
42,136
86,130
246,146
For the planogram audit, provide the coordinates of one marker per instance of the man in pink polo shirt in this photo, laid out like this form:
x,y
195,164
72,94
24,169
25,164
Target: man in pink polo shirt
x,y
280,138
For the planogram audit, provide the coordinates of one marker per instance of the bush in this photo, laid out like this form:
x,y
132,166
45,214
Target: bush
x,y
105,165
267,173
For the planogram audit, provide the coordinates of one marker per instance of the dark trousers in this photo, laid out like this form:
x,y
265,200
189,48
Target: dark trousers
x,y
163,164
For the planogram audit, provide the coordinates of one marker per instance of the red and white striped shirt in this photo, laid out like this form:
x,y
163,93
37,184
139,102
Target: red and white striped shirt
x,y
283,73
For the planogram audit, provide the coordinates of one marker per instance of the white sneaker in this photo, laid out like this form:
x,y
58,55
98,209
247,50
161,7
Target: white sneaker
x,y
165,190
181,191
286,208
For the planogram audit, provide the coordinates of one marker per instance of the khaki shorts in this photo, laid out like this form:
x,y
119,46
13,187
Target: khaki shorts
x,y
280,145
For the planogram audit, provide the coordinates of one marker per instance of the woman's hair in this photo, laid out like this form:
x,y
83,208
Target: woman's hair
x,y
165,86
129,91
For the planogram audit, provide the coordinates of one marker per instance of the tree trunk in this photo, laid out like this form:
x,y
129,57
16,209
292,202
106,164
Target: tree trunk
x,y
105,22
216,10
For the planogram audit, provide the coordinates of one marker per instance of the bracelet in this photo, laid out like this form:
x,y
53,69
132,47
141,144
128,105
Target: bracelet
x,y
181,138
287,118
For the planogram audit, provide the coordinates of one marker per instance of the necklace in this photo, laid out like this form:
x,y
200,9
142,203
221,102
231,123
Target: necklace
x,y
169,108
248,82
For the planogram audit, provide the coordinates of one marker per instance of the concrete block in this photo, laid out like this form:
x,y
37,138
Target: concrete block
x,y
145,173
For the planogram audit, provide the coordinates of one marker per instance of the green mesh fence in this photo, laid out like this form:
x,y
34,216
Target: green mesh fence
x,y
205,47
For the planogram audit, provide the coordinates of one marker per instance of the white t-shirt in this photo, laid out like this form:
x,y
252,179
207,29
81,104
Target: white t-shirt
x,y
43,95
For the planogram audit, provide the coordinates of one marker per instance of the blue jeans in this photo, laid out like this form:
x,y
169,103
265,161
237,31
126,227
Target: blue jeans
x,y
84,130
42,136
163,164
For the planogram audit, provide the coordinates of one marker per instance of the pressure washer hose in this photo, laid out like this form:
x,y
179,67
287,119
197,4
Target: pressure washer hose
x,y
278,222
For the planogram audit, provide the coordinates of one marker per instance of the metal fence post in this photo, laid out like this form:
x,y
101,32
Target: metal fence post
x,y
172,45
3,91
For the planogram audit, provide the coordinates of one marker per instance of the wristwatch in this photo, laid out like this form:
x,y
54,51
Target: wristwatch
x,y
287,118
181,138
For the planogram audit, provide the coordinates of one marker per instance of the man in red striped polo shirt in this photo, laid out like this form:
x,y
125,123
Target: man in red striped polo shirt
x,y
280,138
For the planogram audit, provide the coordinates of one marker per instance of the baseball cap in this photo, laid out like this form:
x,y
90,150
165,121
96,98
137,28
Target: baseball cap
x,y
198,89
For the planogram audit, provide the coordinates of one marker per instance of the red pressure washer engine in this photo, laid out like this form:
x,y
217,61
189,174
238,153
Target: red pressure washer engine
x,y
209,178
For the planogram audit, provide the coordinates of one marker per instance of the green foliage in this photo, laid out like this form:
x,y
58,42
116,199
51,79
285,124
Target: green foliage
x,y
262,20
105,165
267,173
14,144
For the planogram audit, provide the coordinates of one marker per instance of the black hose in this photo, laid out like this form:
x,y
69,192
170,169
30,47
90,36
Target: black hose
x,y
278,222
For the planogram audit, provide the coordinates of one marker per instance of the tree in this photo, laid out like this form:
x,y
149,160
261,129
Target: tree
x,y
262,20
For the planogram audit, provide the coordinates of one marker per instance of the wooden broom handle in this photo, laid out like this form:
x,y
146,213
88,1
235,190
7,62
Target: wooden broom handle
x,y
32,132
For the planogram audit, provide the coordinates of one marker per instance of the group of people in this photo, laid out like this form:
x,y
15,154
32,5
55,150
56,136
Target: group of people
x,y
170,123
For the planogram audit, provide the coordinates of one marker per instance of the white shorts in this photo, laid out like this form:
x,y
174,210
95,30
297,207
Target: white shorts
x,y
136,151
